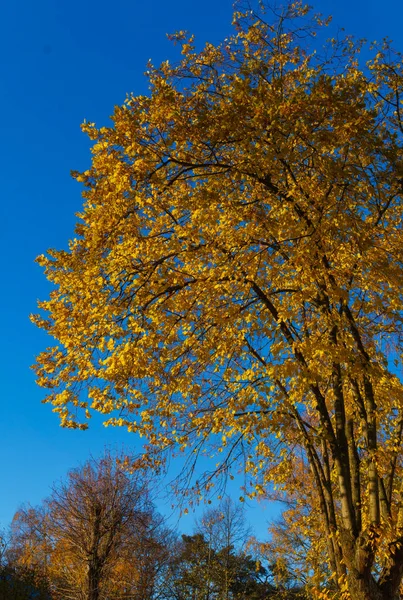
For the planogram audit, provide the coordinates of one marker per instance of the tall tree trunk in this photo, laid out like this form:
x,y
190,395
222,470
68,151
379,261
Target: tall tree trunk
x,y
94,578
359,557
364,587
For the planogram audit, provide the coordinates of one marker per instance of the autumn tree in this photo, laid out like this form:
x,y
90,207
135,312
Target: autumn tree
x,y
296,547
30,544
142,565
19,580
17,583
97,536
235,285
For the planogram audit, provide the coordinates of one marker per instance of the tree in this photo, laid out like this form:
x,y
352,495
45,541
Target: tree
x,y
297,550
30,544
224,529
225,525
197,570
97,536
19,581
142,564
201,573
236,279
22,584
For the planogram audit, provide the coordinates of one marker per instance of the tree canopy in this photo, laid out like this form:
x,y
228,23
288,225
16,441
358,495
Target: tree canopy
x,y
204,573
236,280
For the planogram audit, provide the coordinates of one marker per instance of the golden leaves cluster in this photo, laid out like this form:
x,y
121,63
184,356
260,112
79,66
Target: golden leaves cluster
x,y
240,243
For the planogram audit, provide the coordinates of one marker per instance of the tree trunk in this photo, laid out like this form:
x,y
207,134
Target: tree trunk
x,y
358,556
94,578
364,587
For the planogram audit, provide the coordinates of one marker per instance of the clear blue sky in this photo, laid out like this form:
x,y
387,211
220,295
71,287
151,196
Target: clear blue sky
x,y
63,61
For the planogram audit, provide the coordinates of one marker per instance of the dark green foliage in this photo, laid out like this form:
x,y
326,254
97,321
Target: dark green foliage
x,y
23,584
202,573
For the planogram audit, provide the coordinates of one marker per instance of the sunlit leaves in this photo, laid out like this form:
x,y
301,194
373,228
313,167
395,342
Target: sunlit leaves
x,y
235,287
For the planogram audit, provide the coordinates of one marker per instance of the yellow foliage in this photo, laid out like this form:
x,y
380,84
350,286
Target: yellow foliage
x,y
237,275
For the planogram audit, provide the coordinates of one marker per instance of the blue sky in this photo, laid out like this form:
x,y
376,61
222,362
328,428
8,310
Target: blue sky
x,y
61,62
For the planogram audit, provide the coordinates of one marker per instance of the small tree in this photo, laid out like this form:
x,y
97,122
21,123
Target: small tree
x,y
225,530
208,566
20,581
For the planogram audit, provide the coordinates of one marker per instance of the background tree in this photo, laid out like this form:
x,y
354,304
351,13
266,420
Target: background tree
x,y
30,543
196,570
298,548
89,517
142,564
20,581
97,535
202,573
237,272
225,530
